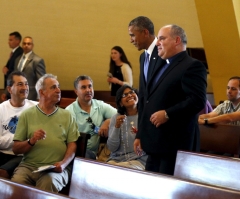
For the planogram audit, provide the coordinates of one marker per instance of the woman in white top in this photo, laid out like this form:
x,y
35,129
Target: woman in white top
x,y
120,70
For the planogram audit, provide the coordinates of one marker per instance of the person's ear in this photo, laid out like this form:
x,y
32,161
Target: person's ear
x,y
75,90
178,40
146,32
40,92
9,89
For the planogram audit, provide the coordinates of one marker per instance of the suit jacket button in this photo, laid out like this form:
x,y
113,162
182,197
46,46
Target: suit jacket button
x,y
147,102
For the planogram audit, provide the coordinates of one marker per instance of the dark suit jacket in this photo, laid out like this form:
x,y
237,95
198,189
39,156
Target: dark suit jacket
x,y
181,91
154,64
11,62
34,68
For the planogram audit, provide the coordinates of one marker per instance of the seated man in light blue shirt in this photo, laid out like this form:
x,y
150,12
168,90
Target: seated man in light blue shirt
x,y
92,116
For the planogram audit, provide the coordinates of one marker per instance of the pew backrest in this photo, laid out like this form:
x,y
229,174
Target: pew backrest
x,y
209,169
220,138
82,144
64,102
12,190
80,152
92,179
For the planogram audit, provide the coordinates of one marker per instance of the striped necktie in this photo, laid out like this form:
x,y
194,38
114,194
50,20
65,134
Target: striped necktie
x,y
21,63
146,64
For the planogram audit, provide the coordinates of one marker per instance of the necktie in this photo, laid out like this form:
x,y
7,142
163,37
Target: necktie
x,y
11,54
146,64
21,63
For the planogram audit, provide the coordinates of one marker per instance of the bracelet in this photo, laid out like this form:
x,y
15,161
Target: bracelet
x,y
30,142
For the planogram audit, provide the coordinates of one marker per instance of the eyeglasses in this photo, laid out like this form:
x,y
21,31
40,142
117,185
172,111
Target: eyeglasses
x,y
92,125
126,94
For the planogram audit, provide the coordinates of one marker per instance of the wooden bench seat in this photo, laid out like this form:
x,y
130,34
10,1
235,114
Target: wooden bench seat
x,y
209,169
64,102
91,179
12,190
82,144
80,152
220,138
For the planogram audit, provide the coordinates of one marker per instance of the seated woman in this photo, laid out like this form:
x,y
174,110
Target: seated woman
x,y
122,131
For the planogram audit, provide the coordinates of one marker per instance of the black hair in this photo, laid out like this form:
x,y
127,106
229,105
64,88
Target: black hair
x,y
140,23
17,35
80,78
123,58
121,109
10,80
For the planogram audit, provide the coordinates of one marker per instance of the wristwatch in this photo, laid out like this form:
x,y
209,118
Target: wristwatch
x,y
166,115
205,121
30,142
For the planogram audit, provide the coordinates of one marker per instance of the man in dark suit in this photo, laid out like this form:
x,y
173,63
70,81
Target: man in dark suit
x,y
31,65
13,42
175,93
141,31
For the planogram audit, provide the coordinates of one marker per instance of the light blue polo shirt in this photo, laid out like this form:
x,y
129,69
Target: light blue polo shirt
x,y
100,111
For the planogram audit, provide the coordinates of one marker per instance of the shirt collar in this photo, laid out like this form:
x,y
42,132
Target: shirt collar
x,y
94,106
13,50
27,54
170,60
151,47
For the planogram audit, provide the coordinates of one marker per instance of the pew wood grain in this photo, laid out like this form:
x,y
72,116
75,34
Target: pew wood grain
x,y
220,138
210,169
12,190
92,179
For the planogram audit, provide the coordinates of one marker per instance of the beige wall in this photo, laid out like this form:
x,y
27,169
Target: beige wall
x,y
75,37
220,32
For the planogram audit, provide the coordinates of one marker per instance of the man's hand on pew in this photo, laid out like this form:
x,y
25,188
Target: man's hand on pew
x,y
103,130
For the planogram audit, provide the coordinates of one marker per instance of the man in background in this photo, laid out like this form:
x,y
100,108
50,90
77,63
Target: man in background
x,y
92,116
13,42
31,65
228,106
10,110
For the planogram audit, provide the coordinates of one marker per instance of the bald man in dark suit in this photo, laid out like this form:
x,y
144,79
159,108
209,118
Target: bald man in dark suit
x,y
31,65
175,93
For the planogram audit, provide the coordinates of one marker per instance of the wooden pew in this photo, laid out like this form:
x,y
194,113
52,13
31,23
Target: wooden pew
x,y
80,152
91,179
209,169
64,102
100,95
220,138
12,190
82,144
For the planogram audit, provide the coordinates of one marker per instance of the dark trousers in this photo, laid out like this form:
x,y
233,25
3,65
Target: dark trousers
x,y
161,163
9,162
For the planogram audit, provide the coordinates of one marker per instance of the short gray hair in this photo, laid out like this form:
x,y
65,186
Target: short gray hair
x,y
40,83
178,31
